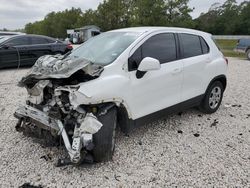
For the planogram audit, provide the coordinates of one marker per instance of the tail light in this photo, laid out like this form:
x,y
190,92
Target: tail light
x,y
69,46
226,60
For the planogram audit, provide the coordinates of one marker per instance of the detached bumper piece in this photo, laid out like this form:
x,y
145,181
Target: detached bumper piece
x,y
82,139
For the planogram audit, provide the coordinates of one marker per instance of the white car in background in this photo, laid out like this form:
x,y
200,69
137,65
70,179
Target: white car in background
x,y
123,77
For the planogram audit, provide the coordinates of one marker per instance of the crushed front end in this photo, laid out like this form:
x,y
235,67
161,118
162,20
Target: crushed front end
x,y
51,84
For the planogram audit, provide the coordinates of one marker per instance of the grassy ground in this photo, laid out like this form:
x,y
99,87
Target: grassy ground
x,y
227,47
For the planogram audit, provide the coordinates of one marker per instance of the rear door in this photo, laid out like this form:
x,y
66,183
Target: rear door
x,y
40,46
159,89
195,56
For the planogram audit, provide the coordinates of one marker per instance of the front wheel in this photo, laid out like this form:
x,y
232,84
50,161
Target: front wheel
x,y
213,98
104,139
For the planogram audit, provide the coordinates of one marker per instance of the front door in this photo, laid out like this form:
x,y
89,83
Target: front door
x,y
158,89
15,52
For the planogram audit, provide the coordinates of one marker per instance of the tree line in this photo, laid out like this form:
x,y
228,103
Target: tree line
x,y
228,18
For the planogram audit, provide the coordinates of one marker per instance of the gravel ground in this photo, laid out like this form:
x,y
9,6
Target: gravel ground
x,y
186,150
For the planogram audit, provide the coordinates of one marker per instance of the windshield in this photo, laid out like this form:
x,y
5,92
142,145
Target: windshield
x,y
105,48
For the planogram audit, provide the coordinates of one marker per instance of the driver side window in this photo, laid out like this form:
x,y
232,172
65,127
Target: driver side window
x,y
161,47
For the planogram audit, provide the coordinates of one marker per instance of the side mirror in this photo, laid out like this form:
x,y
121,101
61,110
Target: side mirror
x,y
149,64
5,46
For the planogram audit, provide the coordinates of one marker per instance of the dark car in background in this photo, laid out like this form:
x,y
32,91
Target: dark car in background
x,y
243,46
24,50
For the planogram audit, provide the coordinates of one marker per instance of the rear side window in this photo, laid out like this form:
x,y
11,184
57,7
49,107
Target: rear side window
x,y
39,40
191,45
18,41
204,46
161,47
52,41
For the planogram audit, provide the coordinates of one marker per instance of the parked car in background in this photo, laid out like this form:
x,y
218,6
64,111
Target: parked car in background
x,y
24,50
124,77
243,46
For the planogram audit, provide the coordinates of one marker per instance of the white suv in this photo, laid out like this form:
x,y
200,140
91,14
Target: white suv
x,y
123,77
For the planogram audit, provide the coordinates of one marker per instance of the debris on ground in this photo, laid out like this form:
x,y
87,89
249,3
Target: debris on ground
x,y
47,157
214,123
180,131
196,134
28,185
117,177
233,105
237,105
227,105
63,162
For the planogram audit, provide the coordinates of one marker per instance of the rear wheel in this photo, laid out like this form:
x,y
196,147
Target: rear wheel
x,y
248,54
104,139
213,98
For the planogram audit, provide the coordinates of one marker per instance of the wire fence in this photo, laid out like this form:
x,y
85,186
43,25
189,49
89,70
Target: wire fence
x,y
231,37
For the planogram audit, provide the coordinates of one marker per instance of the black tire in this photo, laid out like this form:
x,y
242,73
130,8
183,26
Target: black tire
x,y
248,54
206,105
104,139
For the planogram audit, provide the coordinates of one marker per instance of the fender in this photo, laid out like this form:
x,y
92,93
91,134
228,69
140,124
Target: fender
x,y
222,78
105,89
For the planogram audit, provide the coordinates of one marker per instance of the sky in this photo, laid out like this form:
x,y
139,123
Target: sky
x,y
14,14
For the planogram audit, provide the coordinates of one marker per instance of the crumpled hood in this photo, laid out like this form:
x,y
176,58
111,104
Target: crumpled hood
x,y
56,66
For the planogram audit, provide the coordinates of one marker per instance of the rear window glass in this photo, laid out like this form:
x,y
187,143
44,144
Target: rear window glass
x,y
205,48
39,40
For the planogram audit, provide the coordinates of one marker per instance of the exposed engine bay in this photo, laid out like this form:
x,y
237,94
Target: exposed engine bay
x,y
50,107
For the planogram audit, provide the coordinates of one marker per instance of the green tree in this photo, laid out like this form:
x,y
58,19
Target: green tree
x,y
178,13
243,25
228,18
148,13
89,17
113,14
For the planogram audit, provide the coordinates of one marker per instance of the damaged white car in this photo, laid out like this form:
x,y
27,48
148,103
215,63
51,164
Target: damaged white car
x,y
124,77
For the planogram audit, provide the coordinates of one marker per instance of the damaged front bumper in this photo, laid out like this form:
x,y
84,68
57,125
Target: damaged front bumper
x,y
82,139
53,107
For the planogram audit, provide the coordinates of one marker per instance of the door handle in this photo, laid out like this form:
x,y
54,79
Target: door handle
x,y
207,60
176,70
